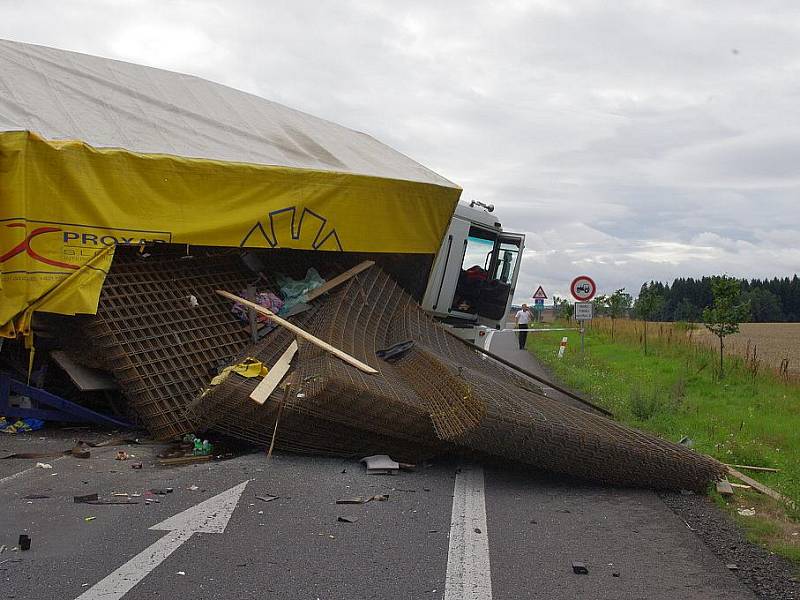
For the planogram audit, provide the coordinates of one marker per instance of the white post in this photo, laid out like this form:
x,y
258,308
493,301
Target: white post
x,y
562,347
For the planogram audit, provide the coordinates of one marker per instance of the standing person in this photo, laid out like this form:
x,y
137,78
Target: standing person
x,y
523,318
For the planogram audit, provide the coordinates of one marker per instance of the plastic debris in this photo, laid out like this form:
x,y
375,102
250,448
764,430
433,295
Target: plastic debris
x,y
122,455
20,425
579,568
87,519
746,512
267,498
347,519
381,464
43,465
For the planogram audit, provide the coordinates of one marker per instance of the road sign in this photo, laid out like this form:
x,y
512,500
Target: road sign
x,y
210,516
583,288
583,311
539,294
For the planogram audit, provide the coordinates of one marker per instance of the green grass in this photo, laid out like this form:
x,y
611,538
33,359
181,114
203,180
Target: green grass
x,y
675,391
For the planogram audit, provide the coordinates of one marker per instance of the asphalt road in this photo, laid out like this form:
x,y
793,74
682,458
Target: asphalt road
x,y
410,546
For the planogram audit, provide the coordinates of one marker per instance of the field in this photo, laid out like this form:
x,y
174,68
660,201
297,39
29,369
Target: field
x,y
749,417
771,343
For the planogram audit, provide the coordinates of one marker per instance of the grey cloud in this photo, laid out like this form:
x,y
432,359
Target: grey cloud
x,y
628,140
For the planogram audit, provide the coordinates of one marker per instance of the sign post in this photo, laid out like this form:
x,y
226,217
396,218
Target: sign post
x,y
583,289
539,296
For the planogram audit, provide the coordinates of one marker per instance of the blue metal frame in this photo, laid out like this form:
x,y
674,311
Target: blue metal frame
x,y
58,408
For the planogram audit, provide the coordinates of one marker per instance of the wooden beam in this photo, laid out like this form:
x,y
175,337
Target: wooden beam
x,y
760,487
338,280
300,332
275,375
767,469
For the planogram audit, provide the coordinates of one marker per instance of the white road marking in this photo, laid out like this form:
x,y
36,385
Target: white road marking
x,y
469,575
19,474
210,516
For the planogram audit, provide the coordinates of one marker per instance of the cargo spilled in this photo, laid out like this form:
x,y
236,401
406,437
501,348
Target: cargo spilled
x,y
119,228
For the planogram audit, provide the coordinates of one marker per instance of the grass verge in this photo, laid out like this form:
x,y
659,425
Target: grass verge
x,y
675,391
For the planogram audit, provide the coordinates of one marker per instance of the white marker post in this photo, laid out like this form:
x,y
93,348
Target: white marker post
x,y
210,516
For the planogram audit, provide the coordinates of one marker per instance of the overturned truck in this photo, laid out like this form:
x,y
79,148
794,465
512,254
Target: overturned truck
x,y
134,195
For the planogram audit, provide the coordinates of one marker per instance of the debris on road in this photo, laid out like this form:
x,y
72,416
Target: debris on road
x,y
579,568
85,498
347,519
35,497
381,464
24,542
43,465
122,455
88,519
267,498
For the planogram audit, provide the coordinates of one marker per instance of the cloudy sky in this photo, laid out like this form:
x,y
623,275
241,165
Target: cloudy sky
x,y
629,140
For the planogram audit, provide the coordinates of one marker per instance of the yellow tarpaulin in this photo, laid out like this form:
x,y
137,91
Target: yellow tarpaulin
x,y
60,202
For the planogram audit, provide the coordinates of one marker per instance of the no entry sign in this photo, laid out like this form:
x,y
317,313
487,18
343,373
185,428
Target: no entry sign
x,y
583,288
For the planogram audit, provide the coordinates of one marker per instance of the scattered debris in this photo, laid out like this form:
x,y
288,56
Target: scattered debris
x,y
686,441
193,488
43,465
181,573
35,497
746,512
183,460
24,542
724,487
347,519
615,574
742,486
579,568
760,487
267,498
477,530
732,567
136,466
161,491
85,498
122,455
381,464
87,519
752,468
3,548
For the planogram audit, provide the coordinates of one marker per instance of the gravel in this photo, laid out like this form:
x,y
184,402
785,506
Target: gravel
x,y
771,577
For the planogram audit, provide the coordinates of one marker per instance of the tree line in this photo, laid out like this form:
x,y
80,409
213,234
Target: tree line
x,y
775,300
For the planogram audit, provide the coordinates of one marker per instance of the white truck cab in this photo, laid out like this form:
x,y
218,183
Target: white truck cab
x,y
472,282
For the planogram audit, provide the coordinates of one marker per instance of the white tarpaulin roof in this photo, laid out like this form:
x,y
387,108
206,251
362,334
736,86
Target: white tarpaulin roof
x,y
106,103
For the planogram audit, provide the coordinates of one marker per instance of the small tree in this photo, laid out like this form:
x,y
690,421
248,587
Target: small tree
x,y
599,305
617,305
648,305
723,317
563,308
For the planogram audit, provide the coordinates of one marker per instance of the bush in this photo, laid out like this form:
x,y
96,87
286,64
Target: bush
x,y
643,405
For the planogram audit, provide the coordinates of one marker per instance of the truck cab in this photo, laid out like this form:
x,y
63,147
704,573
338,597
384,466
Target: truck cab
x,y
472,282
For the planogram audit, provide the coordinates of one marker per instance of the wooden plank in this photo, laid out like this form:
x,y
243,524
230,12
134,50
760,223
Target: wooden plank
x,y
760,486
273,378
767,469
301,333
338,280
87,379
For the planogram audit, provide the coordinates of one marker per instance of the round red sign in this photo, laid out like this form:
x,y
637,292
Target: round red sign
x,y
583,288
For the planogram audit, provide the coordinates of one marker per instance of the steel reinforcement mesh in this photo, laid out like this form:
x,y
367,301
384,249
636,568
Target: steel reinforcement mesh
x,y
161,348
439,395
